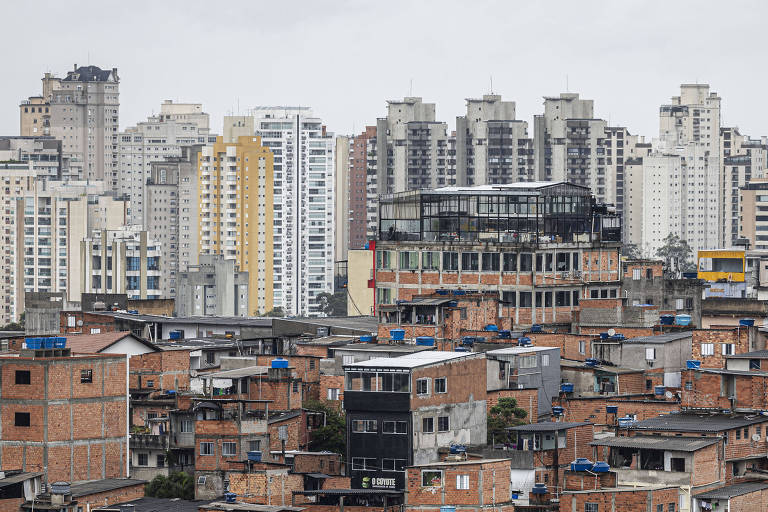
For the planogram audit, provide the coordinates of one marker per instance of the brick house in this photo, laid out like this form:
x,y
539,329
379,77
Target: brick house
x,y
743,496
469,485
653,498
401,410
604,379
63,414
18,487
554,445
163,370
713,346
595,409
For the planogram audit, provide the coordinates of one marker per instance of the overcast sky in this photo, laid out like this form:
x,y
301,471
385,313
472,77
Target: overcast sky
x,y
346,58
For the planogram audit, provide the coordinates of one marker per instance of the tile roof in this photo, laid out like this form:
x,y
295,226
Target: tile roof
x,y
660,338
698,422
755,354
672,443
88,74
104,485
731,491
95,343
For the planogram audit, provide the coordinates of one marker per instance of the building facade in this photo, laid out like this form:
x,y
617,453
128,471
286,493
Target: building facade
x,y
214,287
753,213
45,154
235,187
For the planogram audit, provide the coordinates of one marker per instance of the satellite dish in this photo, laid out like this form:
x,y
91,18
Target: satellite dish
x,y
79,323
611,332
668,394
755,437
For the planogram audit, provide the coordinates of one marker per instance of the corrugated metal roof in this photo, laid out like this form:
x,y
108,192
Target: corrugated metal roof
x,y
414,360
672,443
237,373
104,485
731,491
704,422
548,426
659,338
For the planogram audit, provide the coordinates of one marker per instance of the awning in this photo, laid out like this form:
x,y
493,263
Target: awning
x,y
318,475
222,383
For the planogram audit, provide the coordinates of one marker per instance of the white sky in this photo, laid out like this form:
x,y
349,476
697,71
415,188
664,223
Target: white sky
x,y
345,58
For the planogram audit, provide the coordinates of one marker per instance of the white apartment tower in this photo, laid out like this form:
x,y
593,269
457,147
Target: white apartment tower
x,y
161,136
304,195
491,146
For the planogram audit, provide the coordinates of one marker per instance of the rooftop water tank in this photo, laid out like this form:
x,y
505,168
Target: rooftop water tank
x,y
536,328
523,341
683,320
366,338
658,390
397,334
581,464
747,322
491,327
692,364
539,489
280,363
425,341
230,497
557,410
254,456
601,467
566,387
612,409
667,319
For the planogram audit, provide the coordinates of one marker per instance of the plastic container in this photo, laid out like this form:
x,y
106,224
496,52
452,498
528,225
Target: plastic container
x,y
536,328
659,390
539,489
603,335
581,464
468,340
59,342
230,497
48,342
397,334
566,387
34,343
747,322
505,335
492,327
425,341
601,467
524,341
692,364
280,363
667,319
366,338
557,410
461,349
683,320
254,456
447,508
612,409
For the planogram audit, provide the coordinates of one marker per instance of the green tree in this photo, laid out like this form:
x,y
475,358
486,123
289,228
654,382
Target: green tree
x,y
677,250
333,305
276,312
176,485
331,436
502,415
15,326
631,251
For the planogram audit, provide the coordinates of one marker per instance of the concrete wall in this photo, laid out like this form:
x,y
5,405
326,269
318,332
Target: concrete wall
x,y
466,422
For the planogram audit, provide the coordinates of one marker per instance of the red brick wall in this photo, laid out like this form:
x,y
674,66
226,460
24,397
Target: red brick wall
x,y
708,466
332,381
328,463
624,500
567,343
122,495
628,332
657,268
495,475
581,481
298,438
264,489
167,370
738,337
527,399
752,501
466,380
89,321
593,410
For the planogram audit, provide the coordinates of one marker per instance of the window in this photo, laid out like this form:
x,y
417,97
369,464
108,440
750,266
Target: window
x,y
210,357
254,445
727,349
187,426
347,359
679,303
491,261
442,424
95,330
650,354
311,364
150,383
469,261
527,361
365,426
393,464
228,449
143,459
295,386
201,480
671,507
22,377
409,260
510,262
422,386
430,260
688,385
441,385
636,274
394,427
428,425
544,359
525,299
206,448
754,364
707,349
526,262
21,419
677,464
450,261
384,259
333,393
161,461
431,478
591,507
582,347
364,464
738,434
660,507
509,298
70,321
462,482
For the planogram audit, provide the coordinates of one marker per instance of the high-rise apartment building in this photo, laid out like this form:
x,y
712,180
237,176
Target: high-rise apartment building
x,y
235,191
569,145
492,147
171,211
343,188
753,213
44,152
160,137
361,159
81,110
122,260
304,195
214,287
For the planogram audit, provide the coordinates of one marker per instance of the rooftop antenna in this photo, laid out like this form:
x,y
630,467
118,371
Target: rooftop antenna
x,y
410,90
567,89
491,84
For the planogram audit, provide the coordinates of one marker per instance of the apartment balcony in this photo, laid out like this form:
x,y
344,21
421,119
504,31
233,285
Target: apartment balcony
x,y
149,442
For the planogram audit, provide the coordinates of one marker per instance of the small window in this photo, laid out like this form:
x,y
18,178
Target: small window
x,y
441,385
422,386
688,385
491,261
21,419
150,383
754,364
636,274
311,364
671,507
187,426
428,425
582,347
228,449
86,376
365,426
23,377
364,464
727,349
430,478
394,427
707,349
161,461
71,321
650,354
470,261
143,459
442,424
544,359
393,464
295,386
462,482
591,507
201,480
347,359
660,507
333,393
206,448
254,445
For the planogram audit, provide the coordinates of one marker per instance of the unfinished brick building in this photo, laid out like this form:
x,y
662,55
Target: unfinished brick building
x,y
64,415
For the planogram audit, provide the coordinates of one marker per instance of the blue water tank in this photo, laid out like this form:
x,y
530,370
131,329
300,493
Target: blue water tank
x,y
667,319
461,349
48,342
683,320
658,390
591,361
425,341
523,341
170,392
747,322
557,410
536,328
397,334
625,421
692,364
366,338
447,508
443,292
59,342
618,337
566,387
603,335
254,456
492,327
230,497
280,363
174,335
459,292
458,448
581,464
468,340
601,467
612,409
539,489
504,335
